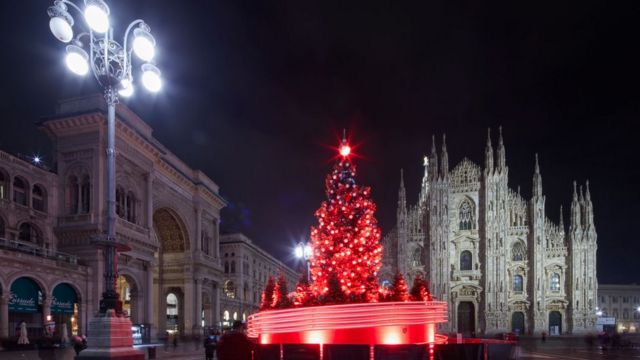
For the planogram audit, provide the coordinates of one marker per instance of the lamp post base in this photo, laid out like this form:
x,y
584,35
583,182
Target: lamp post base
x,y
109,338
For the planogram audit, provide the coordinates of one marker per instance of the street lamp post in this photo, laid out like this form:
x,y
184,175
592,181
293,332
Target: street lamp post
x,y
111,65
303,251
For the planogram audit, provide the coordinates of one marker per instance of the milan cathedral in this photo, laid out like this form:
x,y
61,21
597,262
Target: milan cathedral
x,y
495,257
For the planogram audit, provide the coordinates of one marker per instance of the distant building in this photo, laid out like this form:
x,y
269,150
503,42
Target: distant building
x,y
494,256
621,302
168,213
246,270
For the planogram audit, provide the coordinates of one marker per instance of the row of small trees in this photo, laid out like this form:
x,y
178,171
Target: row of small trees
x,y
276,295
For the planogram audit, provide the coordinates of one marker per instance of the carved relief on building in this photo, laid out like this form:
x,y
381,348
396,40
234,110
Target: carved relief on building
x,y
170,232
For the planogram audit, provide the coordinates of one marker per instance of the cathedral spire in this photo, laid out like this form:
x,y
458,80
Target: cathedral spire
x,y
537,180
561,219
588,208
576,221
488,153
502,162
581,198
434,159
444,162
402,195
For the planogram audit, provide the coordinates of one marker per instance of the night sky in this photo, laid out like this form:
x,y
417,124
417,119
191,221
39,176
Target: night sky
x,y
256,94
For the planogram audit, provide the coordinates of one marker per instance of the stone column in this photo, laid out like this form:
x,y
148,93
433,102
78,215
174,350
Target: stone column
x,y
188,304
80,318
216,239
4,316
215,304
148,300
198,310
46,308
149,201
198,228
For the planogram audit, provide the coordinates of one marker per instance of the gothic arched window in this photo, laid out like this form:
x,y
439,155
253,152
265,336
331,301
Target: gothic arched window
x,y
555,282
233,267
29,233
466,215
1,228
130,202
416,258
226,267
120,202
4,184
517,252
38,198
85,194
20,191
517,283
73,194
465,260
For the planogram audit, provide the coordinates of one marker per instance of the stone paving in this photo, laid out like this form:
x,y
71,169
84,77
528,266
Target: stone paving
x,y
528,349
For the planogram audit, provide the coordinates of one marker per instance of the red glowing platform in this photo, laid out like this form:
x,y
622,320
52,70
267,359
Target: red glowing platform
x,y
410,322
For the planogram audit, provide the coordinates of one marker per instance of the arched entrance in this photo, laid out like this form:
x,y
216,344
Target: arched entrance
x,y
173,239
517,323
205,316
555,323
466,318
128,290
65,311
173,313
25,304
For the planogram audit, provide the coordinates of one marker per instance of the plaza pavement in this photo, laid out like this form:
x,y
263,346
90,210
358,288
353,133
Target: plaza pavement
x,y
556,348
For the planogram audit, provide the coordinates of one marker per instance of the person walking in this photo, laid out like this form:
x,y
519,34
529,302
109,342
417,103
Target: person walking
x,y
235,345
175,341
210,344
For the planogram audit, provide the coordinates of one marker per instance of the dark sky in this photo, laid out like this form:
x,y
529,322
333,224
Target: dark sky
x,y
256,93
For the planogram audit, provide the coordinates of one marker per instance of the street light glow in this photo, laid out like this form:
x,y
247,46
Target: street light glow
x,y
298,251
144,44
77,60
126,88
61,29
151,77
97,15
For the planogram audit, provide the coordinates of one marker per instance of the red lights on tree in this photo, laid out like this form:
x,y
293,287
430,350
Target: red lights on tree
x,y
346,241
267,295
420,290
280,299
398,290
304,296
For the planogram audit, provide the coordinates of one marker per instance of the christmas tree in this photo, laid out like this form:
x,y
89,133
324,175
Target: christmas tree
x,y
398,290
304,295
280,294
267,295
346,241
420,290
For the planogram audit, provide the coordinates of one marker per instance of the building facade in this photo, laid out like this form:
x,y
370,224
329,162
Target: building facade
x,y
622,303
246,271
167,212
495,257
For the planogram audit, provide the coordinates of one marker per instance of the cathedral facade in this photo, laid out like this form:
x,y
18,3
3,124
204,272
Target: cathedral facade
x,y
498,261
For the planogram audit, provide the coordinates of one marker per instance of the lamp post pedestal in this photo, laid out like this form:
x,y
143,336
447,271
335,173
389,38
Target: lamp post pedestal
x,y
109,338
